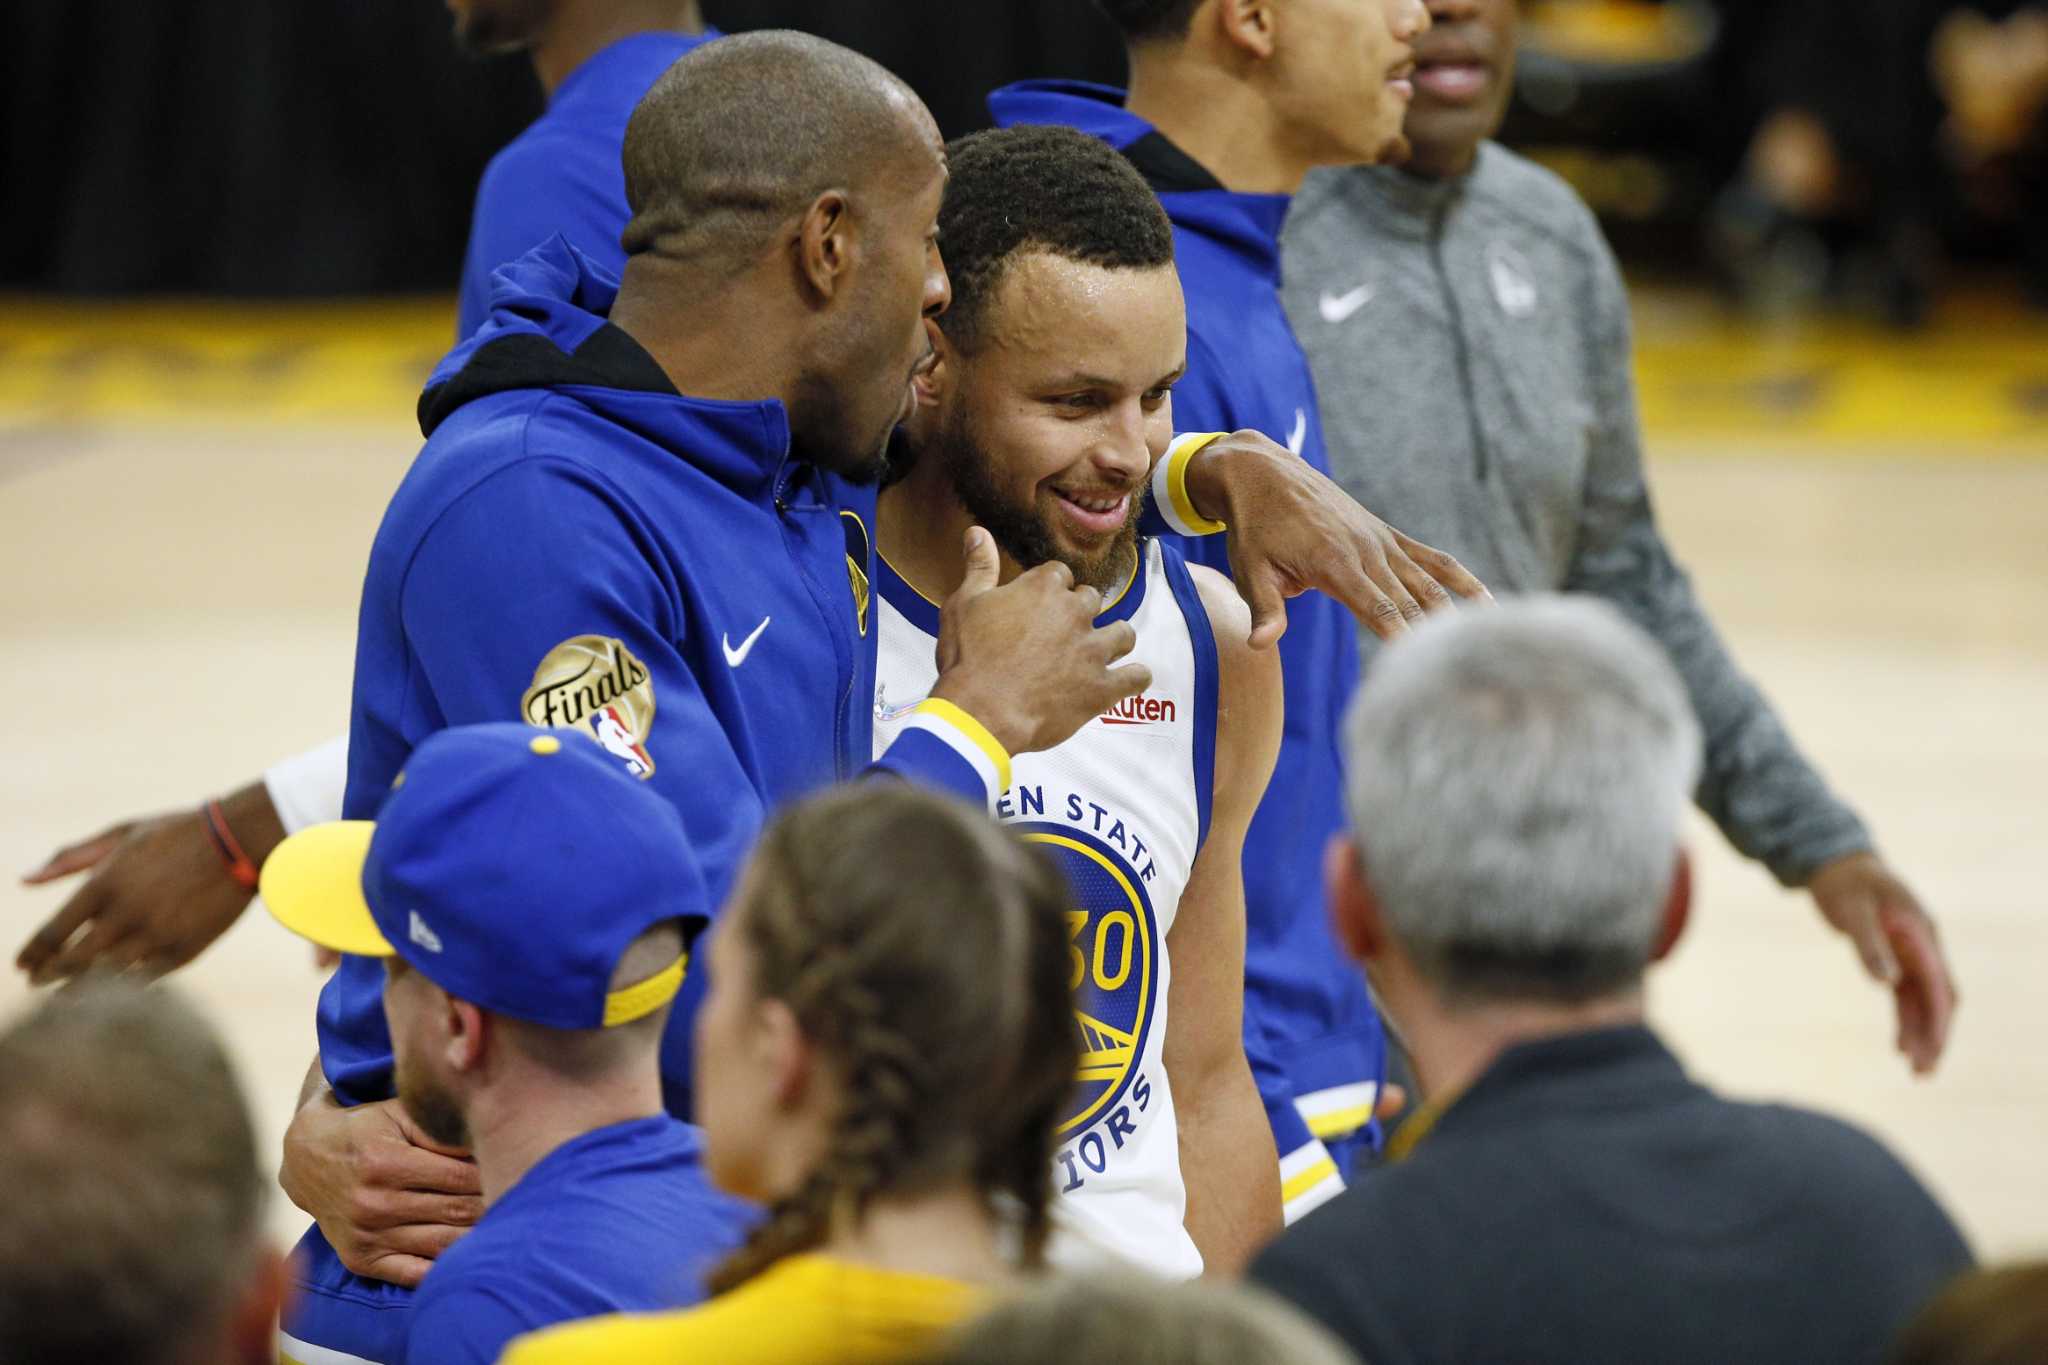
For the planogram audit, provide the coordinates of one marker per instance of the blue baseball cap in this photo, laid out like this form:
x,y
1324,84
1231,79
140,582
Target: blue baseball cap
x,y
510,866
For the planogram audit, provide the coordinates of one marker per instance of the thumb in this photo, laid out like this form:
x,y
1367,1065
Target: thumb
x,y
77,857
1269,608
982,566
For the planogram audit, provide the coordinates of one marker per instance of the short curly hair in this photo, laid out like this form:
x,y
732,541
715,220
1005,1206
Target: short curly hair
x,y
1047,189
1143,20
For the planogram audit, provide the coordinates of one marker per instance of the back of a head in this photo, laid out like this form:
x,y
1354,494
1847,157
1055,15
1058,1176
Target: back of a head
x,y
1141,1321
1517,784
742,134
923,950
1040,188
1996,1316
131,1225
1144,21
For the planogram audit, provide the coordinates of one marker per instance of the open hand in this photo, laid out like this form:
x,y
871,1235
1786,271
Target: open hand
x,y
1292,529
1862,898
157,896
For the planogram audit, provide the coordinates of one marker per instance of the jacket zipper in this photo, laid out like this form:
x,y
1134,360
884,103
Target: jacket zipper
x,y
1482,459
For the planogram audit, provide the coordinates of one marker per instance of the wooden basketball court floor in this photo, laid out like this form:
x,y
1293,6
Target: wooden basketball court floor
x,y
187,494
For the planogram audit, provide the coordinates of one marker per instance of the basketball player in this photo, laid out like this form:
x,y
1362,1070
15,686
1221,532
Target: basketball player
x,y
1231,103
1042,417
164,887
602,457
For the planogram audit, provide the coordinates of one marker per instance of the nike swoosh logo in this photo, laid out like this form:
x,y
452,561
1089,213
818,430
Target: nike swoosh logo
x,y
1299,436
735,657
1337,307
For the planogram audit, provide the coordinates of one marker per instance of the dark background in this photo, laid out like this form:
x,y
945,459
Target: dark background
x,y
288,148
306,147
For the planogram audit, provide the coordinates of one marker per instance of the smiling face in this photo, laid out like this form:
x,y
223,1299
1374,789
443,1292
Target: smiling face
x,y
1047,422
1464,76
1340,75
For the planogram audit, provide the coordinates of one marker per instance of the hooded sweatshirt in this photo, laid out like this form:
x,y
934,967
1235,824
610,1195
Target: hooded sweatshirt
x,y
580,546
1311,1032
1472,339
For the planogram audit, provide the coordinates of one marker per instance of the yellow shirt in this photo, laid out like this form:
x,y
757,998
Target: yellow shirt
x,y
806,1310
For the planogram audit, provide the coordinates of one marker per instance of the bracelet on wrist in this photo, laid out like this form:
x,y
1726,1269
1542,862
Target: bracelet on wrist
x,y
228,847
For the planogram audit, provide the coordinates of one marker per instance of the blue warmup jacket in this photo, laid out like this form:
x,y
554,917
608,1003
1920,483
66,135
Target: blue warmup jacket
x,y
1310,1026
563,173
579,545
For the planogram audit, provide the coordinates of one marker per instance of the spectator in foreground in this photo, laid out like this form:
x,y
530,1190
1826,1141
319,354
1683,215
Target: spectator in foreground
x,y
528,898
1517,782
1996,1316
1142,1321
132,1224
885,1051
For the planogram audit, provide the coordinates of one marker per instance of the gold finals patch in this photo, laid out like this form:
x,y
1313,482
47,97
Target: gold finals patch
x,y
594,684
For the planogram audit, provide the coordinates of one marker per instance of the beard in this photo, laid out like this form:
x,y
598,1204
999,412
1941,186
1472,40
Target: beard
x,y
1021,532
432,1106
819,427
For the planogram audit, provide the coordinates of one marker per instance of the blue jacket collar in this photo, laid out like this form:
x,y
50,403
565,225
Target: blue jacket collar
x,y
1246,224
547,329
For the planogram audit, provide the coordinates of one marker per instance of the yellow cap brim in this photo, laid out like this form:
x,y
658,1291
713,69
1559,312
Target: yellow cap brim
x,y
313,884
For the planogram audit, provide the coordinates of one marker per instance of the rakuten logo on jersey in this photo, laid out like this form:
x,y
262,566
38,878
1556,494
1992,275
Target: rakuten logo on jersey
x,y
1141,710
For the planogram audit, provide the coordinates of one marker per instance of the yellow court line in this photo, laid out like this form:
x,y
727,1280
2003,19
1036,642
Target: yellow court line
x,y
1976,384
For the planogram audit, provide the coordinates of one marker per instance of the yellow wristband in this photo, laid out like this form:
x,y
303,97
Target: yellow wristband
x,y
1170,485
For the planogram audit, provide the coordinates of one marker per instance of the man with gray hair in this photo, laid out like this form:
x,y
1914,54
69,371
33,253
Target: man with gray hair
x,y
1518,780
132,1224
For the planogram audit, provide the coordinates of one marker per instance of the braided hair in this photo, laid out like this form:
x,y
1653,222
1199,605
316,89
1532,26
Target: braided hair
x,y
922,950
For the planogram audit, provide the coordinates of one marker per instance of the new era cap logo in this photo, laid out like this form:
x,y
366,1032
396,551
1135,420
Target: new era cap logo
x,y
416,929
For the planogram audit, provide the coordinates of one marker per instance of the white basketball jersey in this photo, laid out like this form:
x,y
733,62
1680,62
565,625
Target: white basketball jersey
x,y
1123,807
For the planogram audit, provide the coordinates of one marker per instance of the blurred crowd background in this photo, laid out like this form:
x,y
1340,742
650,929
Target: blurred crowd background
x,y
1798,155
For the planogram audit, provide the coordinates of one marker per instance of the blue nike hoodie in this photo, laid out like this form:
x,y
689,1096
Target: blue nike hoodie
x,y
580,546
1311,1031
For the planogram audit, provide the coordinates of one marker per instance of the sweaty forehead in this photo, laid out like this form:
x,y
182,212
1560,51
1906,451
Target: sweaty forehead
x,y
1051,311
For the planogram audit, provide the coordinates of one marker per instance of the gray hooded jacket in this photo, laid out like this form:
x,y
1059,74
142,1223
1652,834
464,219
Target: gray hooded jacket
x,y
1470,343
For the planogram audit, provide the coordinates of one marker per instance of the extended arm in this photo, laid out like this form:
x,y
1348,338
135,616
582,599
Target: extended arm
x,y
1756,785
1227,1156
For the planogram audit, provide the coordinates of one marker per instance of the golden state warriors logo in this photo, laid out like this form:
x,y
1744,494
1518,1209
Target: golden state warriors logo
x,y
859,554
1112,949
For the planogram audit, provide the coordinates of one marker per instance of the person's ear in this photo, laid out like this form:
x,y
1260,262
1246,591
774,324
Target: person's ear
x,y
1354,911
466,1034
825,244
253,1317
931,383
1677,908
785,1055
1249,26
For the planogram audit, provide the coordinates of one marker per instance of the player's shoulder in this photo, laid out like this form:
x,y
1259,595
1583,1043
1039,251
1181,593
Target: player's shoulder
x,y
1230,619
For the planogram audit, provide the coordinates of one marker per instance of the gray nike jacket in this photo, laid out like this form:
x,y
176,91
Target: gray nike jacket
x,y
1470,344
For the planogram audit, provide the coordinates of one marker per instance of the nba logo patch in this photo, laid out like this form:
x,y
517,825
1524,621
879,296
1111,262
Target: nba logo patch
x,y
611,731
